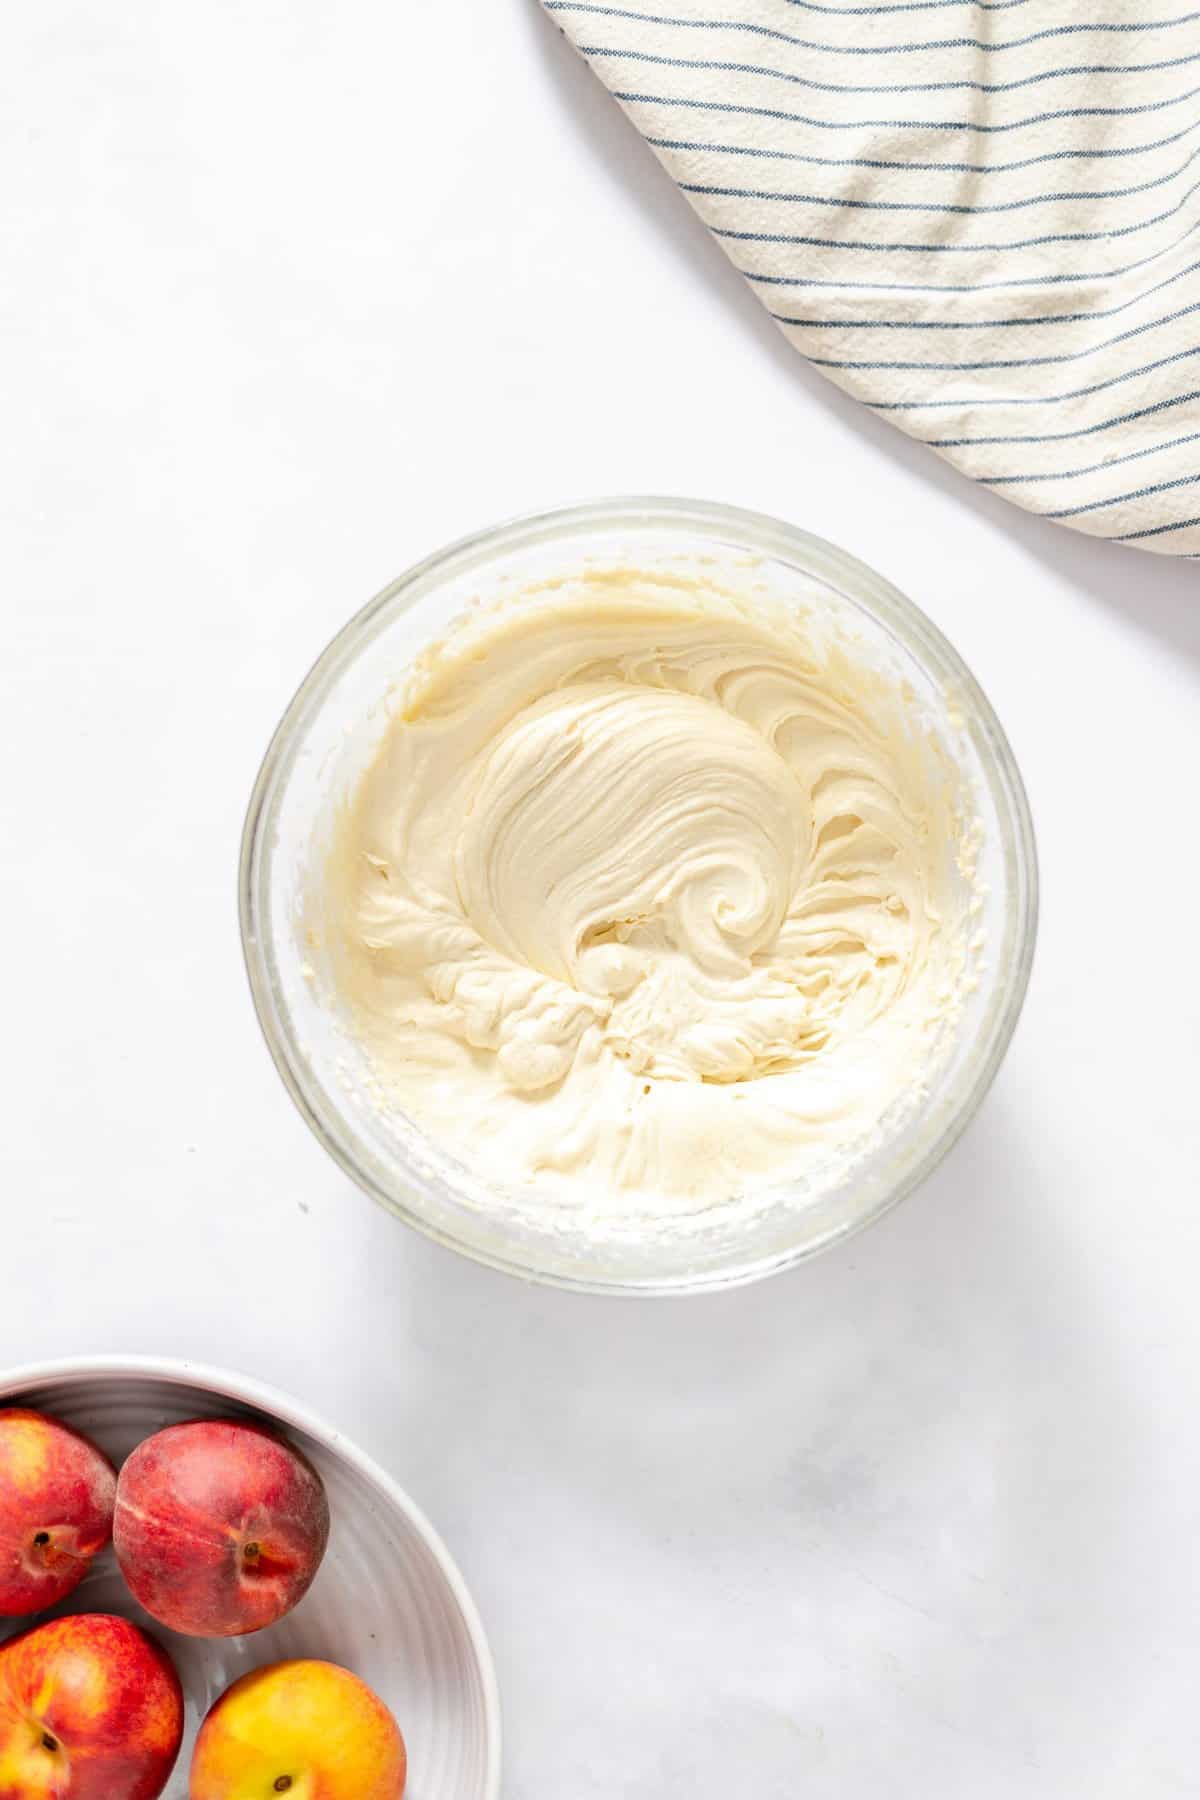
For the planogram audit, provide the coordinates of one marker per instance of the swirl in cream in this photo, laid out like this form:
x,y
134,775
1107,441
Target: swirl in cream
x,y
650,894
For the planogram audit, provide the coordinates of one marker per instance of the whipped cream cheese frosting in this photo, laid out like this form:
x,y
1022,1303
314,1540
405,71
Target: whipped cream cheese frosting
x,y
652,894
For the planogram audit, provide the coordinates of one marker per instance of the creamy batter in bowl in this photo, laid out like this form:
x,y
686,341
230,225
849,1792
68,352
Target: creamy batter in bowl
x,y
639,897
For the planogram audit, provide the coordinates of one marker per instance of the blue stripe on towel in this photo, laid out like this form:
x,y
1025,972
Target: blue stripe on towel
x,y
1132,537
1143,493
887,248
1106,312
768,112
979,400
905,6
1084,153
1117,27
922,87
841,87
1062,437
936,206
974,324
1009,284
1012,362
1109,462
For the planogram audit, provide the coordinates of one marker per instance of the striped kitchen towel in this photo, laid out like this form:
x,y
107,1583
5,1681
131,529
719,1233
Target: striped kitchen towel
x,y
979,217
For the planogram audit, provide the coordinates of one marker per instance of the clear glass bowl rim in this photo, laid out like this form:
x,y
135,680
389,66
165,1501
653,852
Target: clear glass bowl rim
x,y
757,533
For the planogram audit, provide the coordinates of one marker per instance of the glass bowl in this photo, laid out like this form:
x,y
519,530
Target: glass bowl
x,y
327,738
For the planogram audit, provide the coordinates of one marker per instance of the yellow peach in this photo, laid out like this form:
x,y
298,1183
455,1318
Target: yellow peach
x,y
307,1729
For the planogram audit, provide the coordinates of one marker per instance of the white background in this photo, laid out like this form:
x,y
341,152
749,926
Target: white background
x,y
292,294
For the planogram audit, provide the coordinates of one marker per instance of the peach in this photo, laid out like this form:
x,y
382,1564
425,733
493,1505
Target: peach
x,y
90,1709
305,1727
56,1509
220,1527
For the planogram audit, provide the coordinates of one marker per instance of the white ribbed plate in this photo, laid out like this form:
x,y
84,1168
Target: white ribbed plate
x,y
388,1601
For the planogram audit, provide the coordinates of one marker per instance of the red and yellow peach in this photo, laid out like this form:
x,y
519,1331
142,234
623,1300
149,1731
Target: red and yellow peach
x,y
90,1709
309,1728
56,1509
220,1527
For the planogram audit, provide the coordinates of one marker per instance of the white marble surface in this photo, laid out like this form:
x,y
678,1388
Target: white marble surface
x,y
294,293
